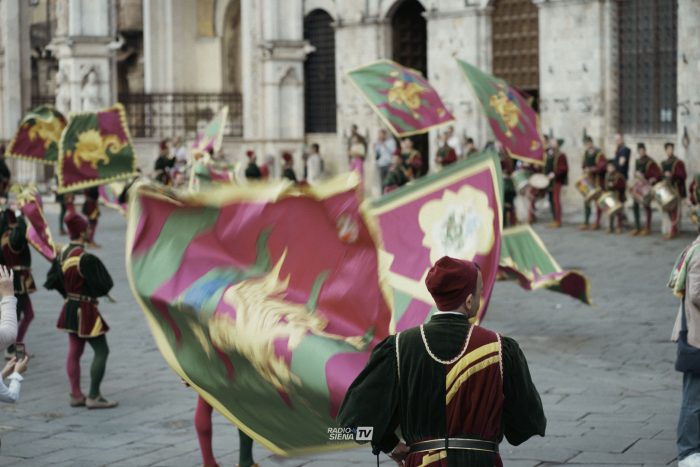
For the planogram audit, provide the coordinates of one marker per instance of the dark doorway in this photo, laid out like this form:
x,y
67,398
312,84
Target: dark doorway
x,y
516,49
409,35
319,74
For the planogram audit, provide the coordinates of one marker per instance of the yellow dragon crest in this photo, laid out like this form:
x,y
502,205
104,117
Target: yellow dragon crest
x,y
92,148
407,94
48,130
506,109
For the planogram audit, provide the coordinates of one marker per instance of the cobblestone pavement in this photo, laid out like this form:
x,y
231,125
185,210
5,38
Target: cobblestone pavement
x,y
605,372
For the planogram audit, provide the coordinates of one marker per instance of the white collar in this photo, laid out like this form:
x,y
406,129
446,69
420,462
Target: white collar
x,y
448,313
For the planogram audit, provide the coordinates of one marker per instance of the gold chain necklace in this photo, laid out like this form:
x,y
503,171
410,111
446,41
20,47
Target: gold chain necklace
x,y
446,362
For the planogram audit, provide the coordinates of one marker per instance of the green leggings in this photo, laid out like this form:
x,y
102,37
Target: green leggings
x,y
76,346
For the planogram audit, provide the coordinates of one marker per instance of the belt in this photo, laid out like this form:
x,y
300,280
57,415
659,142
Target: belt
x,y
82,298
21,268
454,443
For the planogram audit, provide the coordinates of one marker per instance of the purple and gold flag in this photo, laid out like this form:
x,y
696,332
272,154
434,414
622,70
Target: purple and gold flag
x,y
513,122
38,136
95,149
525,258
456,213
401,96
267,333
38,232
211,136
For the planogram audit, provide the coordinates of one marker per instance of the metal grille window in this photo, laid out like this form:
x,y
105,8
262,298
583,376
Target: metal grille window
x,y
647,50
516,44
319,74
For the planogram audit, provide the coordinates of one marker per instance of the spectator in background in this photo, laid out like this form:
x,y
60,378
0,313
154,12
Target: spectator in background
x,y
355,137
5,174
179,152
445,154
8,308
252,172
384,150
288,167
396,177
453,141
357,159
412,159
622,156
314,165
470,148
164,163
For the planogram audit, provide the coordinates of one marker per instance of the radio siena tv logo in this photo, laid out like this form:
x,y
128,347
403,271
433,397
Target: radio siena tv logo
x,y
360,433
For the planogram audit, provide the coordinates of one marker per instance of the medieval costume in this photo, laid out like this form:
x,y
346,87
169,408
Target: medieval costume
x,y
164,164
557,169
510,218
252,172
594,163
17,256
615,183
288,170
91,210
454,389
445,155
647,169
81,279
357,159
674,171
396,177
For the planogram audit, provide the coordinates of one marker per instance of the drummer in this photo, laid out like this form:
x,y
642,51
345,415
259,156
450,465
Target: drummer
x,y
615,183
674,172
557,169
594,167
646,171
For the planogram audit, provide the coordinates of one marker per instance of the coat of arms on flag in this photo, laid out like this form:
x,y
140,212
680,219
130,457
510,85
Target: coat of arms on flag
x,y
95,149
38,136
513,122
401,96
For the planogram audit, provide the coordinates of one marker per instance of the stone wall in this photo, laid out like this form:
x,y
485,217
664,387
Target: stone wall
x,y
688,90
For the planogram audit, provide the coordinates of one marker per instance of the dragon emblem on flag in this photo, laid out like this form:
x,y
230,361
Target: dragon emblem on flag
x,y
91,148
406,93
506,109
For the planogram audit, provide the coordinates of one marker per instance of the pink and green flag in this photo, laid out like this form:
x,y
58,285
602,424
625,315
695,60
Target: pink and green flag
x,y
95,149
38,136
456,212
267,300
525,258
109,195
513,122
211,136
38,232
401,96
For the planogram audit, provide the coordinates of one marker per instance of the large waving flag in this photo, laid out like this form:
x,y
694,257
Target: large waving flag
x,y
109,195
268,318
458,213
525,258
38,136
513,122
38,232
401,96
211,136
95,149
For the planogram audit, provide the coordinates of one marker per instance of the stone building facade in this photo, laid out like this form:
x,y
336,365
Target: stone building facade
x,y
593,67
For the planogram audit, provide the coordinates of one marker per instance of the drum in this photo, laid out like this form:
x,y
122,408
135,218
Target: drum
x,y
588,190
609,203
642,192
539,181
665,195
521,179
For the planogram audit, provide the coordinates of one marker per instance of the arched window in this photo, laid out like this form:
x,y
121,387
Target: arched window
x,y
319,74
516,49
232,47
647,59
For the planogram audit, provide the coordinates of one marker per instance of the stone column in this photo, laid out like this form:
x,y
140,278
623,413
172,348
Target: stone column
x,y
688,114
85,30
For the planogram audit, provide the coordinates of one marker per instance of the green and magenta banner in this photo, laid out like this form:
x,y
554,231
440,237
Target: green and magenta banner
x,y
109,195
209,139
401,96
38,136
514,123
525,259
38,232
95,149
456,212
266,299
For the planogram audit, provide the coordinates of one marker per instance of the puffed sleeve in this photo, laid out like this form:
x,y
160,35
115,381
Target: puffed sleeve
x,y
18,235
523,415
54,278
98,282
373,398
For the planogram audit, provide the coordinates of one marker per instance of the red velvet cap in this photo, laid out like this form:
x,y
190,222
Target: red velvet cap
x,y
287,157
76,224
450,281
250,154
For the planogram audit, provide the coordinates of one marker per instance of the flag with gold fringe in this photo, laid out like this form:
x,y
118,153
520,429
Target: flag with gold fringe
x,y
267,333
525,258
95,149
513,122
38,232
456,212
38,136
403,99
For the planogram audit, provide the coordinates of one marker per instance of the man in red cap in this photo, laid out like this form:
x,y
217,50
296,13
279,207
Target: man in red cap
x,y
288,167
81,279
453,388
252,172
17,256
91,210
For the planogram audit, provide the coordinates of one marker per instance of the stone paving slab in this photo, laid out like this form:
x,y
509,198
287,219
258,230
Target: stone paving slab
x,y
605,372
